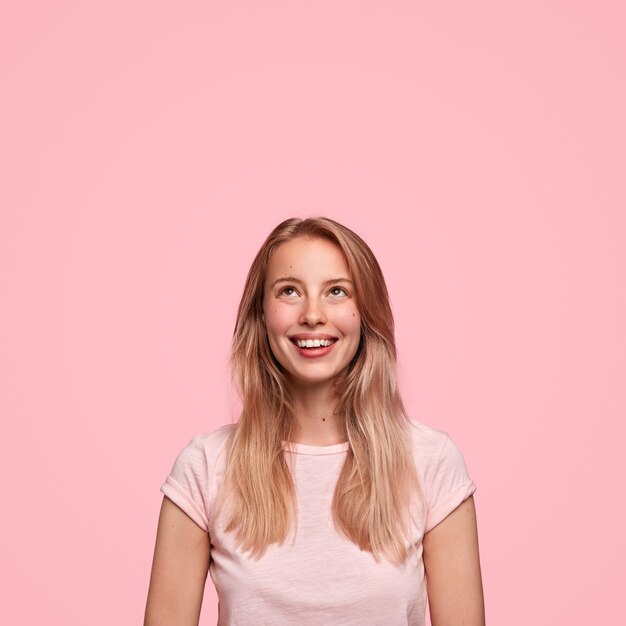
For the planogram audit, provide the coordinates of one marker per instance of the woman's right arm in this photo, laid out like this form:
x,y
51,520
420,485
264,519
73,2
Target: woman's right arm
x,y
179,569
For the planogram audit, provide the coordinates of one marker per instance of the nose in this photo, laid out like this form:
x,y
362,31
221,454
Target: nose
x,y
313,313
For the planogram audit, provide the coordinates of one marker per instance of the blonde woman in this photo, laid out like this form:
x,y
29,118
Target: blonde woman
x,y
324,503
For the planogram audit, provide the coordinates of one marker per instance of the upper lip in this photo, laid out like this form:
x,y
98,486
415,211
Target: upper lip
x,y
305,336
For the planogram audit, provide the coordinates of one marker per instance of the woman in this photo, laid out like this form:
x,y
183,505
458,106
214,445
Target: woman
x,y
325,503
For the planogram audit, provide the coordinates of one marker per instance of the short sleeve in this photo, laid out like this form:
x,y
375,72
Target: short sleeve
x,y
448,486
187,485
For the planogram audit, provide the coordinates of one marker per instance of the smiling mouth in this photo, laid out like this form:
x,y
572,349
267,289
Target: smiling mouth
x,y
310,344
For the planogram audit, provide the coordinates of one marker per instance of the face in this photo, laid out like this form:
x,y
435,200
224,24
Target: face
x,y
309,295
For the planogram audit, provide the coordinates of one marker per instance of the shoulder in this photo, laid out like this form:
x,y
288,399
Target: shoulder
x,y
442,471
214,440
434,451
426,441
204,450
194,479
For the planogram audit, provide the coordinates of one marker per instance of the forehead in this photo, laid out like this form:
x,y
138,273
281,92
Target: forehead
x,y
307,256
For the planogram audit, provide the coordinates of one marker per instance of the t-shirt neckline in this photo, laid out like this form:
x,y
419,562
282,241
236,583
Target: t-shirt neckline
x,y
304,448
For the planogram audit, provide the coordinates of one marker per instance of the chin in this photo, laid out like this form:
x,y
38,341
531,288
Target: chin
x,y
312,380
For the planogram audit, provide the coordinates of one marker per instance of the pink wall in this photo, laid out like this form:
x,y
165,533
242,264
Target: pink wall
x,y
147,148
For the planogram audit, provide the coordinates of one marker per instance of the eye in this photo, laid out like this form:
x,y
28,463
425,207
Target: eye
x,y
338,289
286,289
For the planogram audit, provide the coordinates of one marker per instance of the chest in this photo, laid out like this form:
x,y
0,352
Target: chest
x,y
316,573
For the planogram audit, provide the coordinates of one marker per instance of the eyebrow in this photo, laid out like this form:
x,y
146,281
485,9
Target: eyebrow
x,y
293,279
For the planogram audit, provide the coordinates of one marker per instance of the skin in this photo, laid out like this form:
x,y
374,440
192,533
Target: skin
x,y
311,305
179,570
182,550
452,566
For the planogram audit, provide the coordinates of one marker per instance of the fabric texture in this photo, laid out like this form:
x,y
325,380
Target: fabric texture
x,y
317,577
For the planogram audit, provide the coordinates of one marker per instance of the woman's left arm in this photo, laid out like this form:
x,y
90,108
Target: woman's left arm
x,y
452,564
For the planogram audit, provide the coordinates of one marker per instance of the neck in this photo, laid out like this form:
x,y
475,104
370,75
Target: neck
x,y
314,421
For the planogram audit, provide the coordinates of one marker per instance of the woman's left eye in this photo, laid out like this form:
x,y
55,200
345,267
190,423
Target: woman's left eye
x,y
339,289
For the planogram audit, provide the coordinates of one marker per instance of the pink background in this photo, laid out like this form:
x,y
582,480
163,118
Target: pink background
x,y
147,149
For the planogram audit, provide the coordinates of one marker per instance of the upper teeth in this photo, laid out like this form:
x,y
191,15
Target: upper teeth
x,y
313,343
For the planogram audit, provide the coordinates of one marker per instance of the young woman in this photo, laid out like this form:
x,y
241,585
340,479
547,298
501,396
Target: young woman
x,y
324,503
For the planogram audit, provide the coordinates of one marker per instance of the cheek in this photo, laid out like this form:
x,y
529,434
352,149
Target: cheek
x,y
277,318
350,321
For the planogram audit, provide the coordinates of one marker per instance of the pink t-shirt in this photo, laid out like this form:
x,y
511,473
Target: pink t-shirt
x,y
319,577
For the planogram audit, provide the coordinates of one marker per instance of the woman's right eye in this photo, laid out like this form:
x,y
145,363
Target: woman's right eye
x,y
285,289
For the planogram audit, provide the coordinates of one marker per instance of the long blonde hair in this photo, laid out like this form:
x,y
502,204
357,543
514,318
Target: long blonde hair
x,y
378,478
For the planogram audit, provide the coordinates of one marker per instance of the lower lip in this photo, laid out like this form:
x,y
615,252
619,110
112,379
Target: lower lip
x,y
313,353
